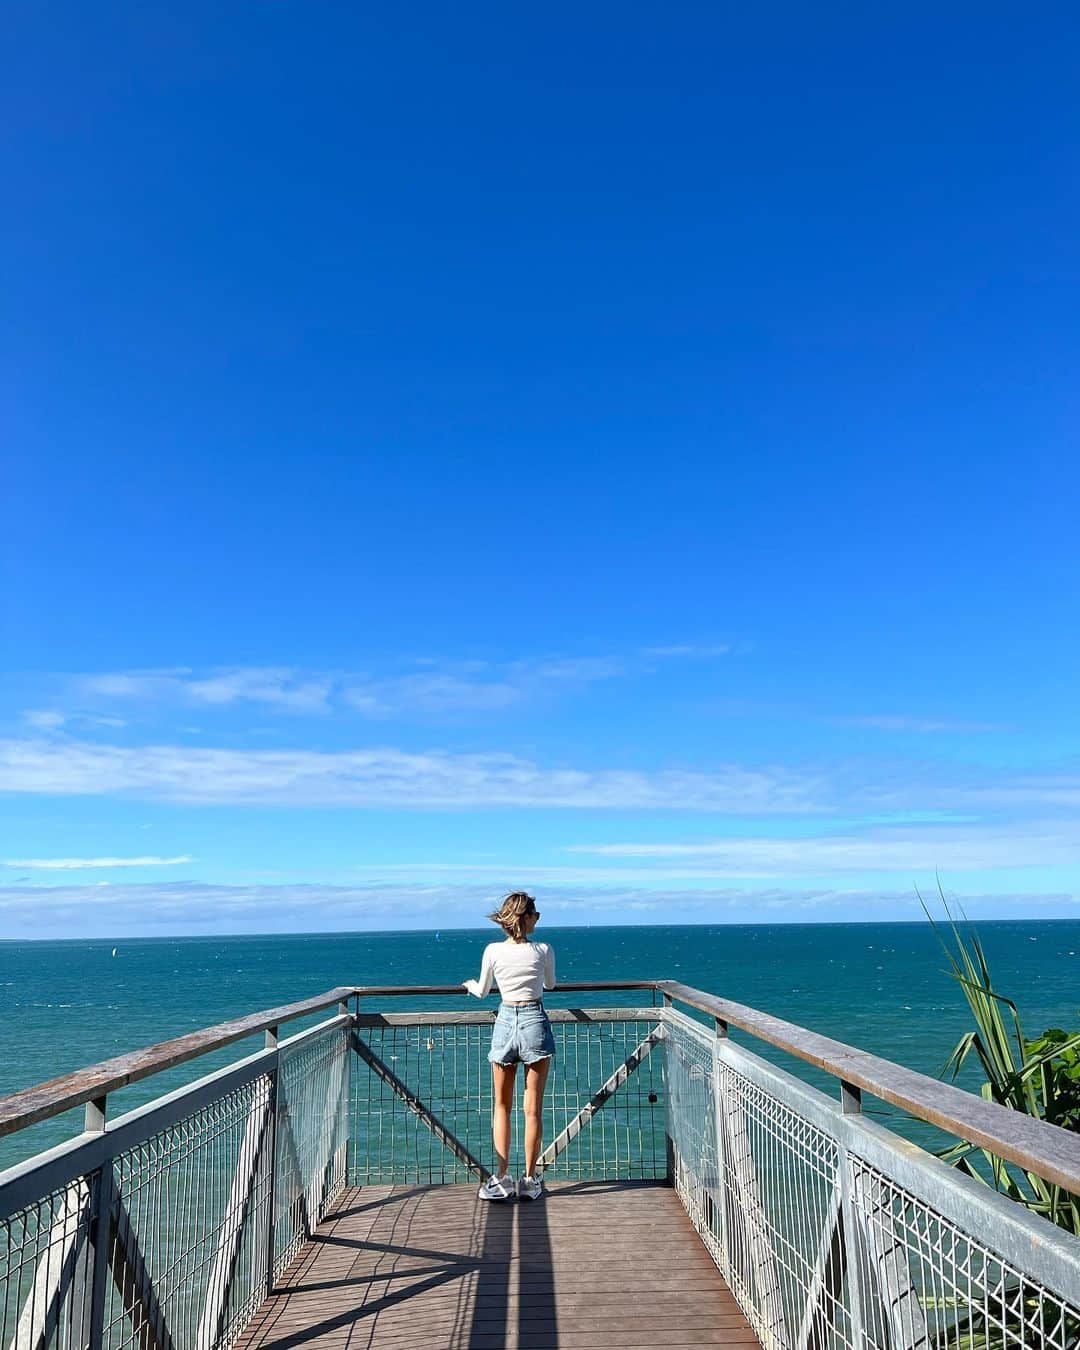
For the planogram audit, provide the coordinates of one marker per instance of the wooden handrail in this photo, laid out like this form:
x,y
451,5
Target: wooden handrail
x,y
44,1100
1047,1150
52,1098
1042,1148
456,990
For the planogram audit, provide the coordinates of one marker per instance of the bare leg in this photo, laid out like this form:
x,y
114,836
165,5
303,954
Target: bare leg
x,y
502,1077
536,1076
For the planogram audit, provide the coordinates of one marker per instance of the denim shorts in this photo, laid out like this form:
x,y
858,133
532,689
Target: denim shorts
x,y
522,1034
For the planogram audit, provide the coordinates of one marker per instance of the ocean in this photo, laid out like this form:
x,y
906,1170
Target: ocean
x,y
882,987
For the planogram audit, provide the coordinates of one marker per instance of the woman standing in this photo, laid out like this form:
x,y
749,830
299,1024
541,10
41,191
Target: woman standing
x,y
522,969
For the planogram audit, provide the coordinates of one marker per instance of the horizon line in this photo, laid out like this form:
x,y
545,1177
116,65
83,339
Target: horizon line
x,y
558,928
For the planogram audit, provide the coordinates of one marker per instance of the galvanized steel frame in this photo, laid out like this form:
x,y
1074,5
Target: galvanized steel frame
x,y
96,1245
855,1238
858,1257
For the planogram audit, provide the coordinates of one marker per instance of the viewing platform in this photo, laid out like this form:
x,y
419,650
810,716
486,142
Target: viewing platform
x,y
322,1192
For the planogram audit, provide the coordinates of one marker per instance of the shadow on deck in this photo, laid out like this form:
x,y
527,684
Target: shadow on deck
x,y
594,1264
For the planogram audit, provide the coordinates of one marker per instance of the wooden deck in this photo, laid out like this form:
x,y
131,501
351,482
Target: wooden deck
x,y
593,1264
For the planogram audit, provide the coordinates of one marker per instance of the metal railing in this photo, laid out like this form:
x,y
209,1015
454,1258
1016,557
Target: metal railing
x,y
422,1097
165,1228
832,1231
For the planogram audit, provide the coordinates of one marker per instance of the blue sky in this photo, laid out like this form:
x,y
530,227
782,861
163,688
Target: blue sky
x,y
628,455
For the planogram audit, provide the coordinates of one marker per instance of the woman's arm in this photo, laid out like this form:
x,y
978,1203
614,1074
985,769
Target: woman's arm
x,y
549,969
482,987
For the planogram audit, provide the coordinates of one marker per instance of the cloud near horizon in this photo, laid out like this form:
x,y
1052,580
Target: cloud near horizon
x,y
188,908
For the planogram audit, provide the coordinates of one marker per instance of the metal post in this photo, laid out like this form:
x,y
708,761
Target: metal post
x,y
856,1265
101,1236
669,1105
350,1147
721,1154
271,1222
850,1098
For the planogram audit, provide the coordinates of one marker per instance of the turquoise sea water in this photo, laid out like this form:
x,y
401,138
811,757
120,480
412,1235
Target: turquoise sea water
x,y
878,986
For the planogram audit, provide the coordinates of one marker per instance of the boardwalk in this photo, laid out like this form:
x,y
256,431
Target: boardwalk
x,y
594,1264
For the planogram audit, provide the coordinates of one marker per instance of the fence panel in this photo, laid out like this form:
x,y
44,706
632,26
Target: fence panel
x,y
160,1230
46,1271
311,1137
410,1075
831,1232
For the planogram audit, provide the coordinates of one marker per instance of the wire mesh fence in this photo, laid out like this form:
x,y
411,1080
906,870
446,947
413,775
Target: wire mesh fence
x,y
189,1226
807,1214
191,1212
311,1138
930,1282
166,1230
46,1275
442,1066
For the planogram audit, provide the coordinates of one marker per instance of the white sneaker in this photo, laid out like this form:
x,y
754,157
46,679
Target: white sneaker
x,y
497,1188
530,1188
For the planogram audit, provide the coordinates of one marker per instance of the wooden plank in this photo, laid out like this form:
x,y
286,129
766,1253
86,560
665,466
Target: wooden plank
x,y
1047,1150
417,1267
366,991
75,1089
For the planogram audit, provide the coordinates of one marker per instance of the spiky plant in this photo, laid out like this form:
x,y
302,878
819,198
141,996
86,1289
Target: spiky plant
x,y
1039,1076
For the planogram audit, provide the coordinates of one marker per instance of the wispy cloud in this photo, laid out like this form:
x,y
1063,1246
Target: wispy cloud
x,y
387,777
427,688
902,722
431,693
279,687
86,864
690,651
44,719
52,719
912,849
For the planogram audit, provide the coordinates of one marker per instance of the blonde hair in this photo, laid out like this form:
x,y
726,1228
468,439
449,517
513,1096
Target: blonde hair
x,y
511,914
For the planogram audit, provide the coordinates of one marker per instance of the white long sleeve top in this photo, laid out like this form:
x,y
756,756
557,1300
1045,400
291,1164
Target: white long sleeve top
x,y
522,971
